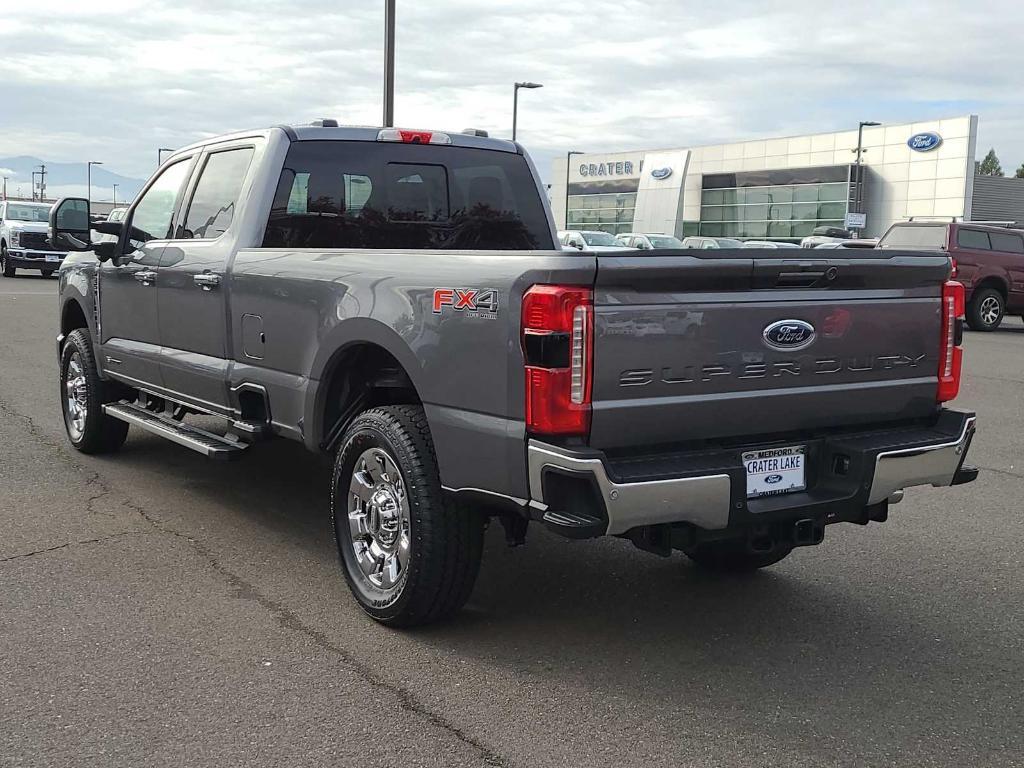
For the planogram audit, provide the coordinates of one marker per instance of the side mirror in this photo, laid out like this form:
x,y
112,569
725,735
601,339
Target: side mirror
x,y
578,245
69,224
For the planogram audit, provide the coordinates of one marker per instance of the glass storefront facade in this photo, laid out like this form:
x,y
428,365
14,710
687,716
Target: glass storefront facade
x,y
781,205
609,212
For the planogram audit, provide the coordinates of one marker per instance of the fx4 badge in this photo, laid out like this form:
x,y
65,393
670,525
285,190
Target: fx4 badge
x,y
477,302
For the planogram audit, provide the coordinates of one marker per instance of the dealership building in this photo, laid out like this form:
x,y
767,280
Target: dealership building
x,y
783,188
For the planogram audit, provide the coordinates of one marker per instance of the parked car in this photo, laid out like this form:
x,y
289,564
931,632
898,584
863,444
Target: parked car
x,y
648,242
989,261
24,243
396,299
589,240
864,242
768,244
821,235
711,242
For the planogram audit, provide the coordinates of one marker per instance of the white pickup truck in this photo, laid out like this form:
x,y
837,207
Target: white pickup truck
x,y
24,239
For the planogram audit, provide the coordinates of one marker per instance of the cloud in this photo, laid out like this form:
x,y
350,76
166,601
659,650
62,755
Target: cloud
x,y
117,84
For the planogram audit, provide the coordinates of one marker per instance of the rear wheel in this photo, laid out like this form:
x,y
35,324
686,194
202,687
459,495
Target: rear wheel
x,y
5,262
82,395
47,272
985,312
409,554
734,557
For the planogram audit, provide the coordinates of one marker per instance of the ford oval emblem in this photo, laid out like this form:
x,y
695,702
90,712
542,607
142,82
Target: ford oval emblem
x,y
661,173
924,142
789,335
773,479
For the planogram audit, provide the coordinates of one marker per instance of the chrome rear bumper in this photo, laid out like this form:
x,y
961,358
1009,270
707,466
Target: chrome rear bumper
x,y
717,499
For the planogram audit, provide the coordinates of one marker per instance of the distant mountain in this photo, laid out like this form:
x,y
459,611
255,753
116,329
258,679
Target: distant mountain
x,y
67,179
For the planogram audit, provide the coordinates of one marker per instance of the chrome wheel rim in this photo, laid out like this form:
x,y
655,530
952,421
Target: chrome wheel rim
x,y
378,520
989,310
76,397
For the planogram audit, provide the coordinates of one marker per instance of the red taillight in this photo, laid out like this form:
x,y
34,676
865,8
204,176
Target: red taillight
x,y
951,353
558,347
953,270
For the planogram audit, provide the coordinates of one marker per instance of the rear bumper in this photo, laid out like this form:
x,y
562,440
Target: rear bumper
x,y
31,259
847,473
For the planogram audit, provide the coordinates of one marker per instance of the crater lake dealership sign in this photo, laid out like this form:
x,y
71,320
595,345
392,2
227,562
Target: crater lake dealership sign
x,y
618,168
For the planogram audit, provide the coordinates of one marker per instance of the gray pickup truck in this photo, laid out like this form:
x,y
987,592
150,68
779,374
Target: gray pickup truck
x,y
398,300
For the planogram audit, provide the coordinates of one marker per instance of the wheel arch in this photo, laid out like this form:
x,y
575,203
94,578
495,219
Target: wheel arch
x,y
998,282
368,363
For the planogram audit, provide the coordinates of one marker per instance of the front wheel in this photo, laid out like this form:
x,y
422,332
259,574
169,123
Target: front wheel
x,y
82,396
409,554
985,312
734,557
47,272
5,261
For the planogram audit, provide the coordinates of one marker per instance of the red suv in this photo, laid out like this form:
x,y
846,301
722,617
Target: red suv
x,y
989,261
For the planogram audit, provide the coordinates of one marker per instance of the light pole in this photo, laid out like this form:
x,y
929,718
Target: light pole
x,y
859,198
515,102
160,155
88,179
389,63
568,165
115,196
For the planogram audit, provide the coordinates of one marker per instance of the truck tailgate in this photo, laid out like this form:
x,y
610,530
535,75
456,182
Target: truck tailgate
x,y
681,353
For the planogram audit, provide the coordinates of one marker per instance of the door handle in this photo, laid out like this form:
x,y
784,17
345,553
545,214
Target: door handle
x,y
206,280
146,276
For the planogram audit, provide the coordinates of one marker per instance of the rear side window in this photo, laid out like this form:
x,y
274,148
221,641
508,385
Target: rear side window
x,y
346,194
930,236
216,196
973,239
1007,242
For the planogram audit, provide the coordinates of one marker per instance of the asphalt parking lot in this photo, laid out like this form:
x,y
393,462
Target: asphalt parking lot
x,y
160,609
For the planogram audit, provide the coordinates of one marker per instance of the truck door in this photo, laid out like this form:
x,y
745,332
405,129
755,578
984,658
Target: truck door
x,y
129,334
193,274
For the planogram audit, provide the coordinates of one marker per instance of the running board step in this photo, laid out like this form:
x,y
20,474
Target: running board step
x,y
573,525
206,443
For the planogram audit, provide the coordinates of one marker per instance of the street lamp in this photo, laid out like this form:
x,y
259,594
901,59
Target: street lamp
x,y
115,196
858,198
88,179
515,102
160,155
568,164
389,63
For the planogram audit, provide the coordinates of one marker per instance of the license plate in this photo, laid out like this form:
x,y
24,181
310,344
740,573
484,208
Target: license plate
x,y
775,470
53,257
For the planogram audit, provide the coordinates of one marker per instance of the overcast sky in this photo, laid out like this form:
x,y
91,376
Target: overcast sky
x,y
114,82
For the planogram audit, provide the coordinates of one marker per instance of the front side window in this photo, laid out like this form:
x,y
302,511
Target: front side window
x,y
345,194
974,239
213,203
151,219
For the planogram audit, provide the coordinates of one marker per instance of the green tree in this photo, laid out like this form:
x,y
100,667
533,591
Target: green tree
x,y
1020,172
990,165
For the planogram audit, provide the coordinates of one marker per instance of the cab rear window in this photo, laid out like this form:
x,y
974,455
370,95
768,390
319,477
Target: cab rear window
x,y
347,194
912,236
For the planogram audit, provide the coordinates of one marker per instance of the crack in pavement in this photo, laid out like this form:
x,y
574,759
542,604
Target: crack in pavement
x,y
67,544
245,590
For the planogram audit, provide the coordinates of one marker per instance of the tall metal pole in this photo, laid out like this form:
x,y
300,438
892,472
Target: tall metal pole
x,y
88,176
568,164
42,182
5,188
515,109
115,196
389,63
860,149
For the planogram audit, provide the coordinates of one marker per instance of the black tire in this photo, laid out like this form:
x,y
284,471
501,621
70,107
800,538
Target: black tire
x,y
445,541
98,433
47,272
733,557
986,304
5,267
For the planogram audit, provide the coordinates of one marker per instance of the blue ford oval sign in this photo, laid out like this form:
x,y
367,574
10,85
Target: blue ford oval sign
x,y
773,479
661,173
924,142
789,335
